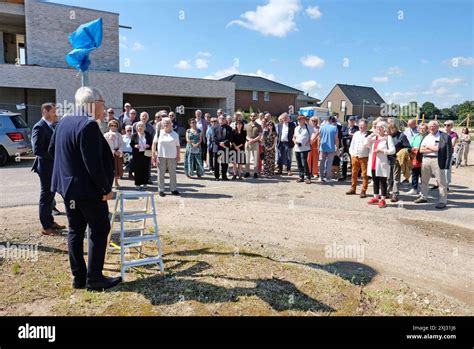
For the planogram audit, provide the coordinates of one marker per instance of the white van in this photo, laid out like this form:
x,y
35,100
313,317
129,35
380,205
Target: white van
x,y
321,113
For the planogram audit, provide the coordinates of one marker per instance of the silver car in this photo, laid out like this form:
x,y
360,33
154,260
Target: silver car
x,y
15,136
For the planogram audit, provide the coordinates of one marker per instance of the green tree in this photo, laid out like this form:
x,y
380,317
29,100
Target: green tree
x,y
429,110
465,109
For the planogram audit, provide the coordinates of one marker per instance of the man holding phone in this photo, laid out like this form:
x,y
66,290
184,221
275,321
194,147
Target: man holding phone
x,y
437,151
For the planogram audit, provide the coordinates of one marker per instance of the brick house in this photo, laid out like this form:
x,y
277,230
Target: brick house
x,y
260,94
33,69
353,100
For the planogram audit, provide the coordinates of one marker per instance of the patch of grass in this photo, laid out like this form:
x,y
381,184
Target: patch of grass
x,y
204,279
16,268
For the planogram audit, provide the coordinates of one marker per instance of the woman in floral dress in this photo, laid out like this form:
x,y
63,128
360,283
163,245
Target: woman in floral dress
x,y
269,139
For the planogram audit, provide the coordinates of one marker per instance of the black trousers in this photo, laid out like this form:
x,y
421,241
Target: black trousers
x,y
380,183
345,163
415,177
79,215
211,160
203,151
218,166
46,202
302,161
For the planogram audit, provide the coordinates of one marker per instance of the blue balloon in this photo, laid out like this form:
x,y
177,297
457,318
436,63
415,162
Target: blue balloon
x,y
84,40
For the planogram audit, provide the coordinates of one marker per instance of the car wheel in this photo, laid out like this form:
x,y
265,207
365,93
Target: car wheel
x,y
3,156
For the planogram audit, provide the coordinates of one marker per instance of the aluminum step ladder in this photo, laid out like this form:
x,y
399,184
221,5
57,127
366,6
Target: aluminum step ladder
x,y
135,237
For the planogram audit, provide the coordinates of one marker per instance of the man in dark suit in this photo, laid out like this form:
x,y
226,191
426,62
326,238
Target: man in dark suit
x,y
43,166
221,138
285,131
83,174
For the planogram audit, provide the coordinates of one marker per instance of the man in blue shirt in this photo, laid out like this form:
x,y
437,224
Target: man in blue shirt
x,y
329,141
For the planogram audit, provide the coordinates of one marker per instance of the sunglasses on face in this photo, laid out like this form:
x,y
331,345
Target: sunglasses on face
x,y
129,131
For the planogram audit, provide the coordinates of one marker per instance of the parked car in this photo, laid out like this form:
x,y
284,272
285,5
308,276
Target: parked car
x,y
15,136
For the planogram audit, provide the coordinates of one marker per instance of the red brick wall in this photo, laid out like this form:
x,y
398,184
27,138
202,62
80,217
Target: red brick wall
x,y
279,102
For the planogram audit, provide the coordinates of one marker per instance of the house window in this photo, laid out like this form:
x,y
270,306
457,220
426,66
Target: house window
x,y
343,106
330,106
255,95
266,96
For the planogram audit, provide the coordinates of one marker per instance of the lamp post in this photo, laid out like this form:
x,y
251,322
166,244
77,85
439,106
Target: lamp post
x,y
363,107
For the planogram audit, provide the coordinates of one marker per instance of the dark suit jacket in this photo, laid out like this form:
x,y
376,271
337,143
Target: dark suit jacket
x,y
291,132
83,163
40,139
223,134
134,142
445,151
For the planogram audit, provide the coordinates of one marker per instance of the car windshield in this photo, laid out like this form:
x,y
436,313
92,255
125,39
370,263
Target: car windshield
x,y
18,121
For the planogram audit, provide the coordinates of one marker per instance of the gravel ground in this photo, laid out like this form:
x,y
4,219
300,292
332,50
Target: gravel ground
x,y
413,244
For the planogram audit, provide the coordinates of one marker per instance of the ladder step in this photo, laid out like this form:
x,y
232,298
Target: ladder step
x,y
137,217
143,238
133,212
139,262
135,194
128,230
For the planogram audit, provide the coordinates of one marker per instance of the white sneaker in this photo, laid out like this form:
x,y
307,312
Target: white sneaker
x,y
413,192
323,180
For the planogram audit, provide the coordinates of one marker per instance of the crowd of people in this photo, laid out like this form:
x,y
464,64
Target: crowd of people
x,y
84,155
230,146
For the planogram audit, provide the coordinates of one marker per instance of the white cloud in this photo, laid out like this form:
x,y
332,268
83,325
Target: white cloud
x,y
234,70
312,61
201,63
262,74
308,86
183,64
222,73
380,79
400,97
123,42
448,81
424,61
395,70
137,46
313,12
203,54
277,18
459,61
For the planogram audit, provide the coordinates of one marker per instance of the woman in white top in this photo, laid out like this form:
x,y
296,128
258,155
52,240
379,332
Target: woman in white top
x,y
381,145
115,141
141,147
302,139
166,155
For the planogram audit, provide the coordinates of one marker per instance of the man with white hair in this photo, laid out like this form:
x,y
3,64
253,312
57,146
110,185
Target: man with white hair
x,y
144,117
411,130
285,131
83,175
437,151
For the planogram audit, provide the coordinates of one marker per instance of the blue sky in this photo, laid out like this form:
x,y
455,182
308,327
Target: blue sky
x,y
419,50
